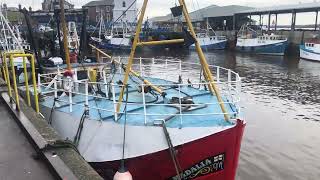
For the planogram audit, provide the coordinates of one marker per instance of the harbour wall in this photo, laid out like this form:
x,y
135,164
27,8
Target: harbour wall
x,y
295,38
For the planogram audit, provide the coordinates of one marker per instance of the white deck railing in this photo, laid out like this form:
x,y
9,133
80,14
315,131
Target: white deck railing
x,y
228,82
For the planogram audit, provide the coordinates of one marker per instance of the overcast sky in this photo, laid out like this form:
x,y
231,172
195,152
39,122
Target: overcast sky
x,y
161,7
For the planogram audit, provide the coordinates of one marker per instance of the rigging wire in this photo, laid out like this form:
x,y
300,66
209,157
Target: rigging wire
x,y
124,128
123,13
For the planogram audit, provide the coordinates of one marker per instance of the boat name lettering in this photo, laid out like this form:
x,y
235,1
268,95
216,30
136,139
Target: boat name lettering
x,y
207,166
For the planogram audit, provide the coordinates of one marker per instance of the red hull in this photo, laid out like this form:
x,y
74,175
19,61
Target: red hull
x,y
196,159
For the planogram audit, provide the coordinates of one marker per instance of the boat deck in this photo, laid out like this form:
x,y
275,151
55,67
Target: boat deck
x,y
205,110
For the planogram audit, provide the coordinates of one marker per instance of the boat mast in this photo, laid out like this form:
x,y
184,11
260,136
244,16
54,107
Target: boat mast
x,y
65,40
206,70
132,53
101,21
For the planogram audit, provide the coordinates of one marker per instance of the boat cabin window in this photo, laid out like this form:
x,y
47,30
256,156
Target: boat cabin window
x,y
309,44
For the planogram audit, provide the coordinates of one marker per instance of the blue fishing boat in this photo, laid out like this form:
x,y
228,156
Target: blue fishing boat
x,y
210,41
249,41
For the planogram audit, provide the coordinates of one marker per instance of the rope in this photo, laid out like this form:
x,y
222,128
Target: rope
x,y
172,151
80,127
60,144
125,124
52,109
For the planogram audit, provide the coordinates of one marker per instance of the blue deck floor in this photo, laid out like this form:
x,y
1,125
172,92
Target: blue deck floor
x,y
198,117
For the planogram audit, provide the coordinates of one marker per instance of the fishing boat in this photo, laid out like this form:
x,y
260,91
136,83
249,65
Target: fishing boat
x,y
118,38
148,118
310,50
210,42
249,41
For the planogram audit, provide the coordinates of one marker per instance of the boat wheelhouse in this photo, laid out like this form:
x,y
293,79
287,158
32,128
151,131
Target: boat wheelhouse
x,y
211,42
249,41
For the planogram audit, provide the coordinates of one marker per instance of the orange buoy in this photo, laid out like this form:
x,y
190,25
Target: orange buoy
x,y
126,175
122,173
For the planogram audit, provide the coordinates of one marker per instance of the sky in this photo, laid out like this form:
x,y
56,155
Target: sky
x,y
162,7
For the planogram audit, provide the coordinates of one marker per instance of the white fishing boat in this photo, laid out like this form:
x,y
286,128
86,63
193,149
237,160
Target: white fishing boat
x,y
210,41
249,41
117,38
310,50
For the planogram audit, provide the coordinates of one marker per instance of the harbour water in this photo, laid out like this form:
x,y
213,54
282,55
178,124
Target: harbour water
x,y
281,104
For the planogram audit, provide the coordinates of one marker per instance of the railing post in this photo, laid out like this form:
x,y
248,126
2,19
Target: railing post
x,y
144,104
218,74
70,94
15,87
26,81
35,91
8,77
180,69
86,93
229,80
39,83
75,80
59,75
105,82
114,103
140,63
120,68
180,108
55,86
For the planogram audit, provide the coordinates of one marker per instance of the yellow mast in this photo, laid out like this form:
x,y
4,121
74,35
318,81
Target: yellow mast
x,y
207,73
206,70
65,31
133,50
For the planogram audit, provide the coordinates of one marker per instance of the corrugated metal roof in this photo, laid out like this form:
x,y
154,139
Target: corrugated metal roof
x,y
210,11
99,3
217,11
284,8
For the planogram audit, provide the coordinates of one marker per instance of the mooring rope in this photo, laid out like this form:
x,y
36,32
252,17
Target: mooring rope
x,y
80,127
52,109
172,151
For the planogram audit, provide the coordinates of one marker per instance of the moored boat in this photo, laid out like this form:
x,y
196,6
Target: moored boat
x,y
205,145
158,119
249,41
210,41
310,50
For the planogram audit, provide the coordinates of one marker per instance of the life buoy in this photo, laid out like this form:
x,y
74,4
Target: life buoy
x,y
67,81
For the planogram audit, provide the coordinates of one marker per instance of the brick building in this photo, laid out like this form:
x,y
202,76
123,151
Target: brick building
x,y
50,5
96,8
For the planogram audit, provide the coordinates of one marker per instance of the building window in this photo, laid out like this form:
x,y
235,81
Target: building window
x,y
123,4
108,8
97,9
